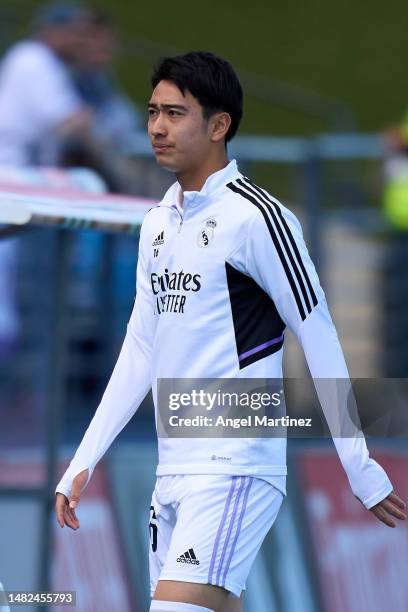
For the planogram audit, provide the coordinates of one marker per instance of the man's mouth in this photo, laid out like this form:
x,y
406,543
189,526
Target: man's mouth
x,y
161,147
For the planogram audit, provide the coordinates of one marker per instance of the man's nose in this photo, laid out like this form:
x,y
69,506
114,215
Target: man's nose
x,y
158,127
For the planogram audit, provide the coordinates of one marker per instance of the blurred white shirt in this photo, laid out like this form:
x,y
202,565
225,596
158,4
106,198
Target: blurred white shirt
x,y
36,95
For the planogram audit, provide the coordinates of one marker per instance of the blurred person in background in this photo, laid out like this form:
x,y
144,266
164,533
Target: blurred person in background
x,y
114,120
395,277
38,100
39,106
396,176
115,117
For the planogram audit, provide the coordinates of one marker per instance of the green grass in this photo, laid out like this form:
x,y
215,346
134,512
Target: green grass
x,y
352,52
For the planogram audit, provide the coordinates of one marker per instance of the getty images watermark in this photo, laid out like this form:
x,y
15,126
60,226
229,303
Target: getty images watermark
x,y
224,408
298,408
223,401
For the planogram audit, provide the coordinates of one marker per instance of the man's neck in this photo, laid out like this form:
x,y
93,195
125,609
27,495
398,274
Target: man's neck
x,y
194,180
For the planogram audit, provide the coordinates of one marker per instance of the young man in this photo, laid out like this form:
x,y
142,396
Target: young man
x,y
222,270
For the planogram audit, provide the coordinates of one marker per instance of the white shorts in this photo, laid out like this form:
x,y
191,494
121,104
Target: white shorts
x,y
209,528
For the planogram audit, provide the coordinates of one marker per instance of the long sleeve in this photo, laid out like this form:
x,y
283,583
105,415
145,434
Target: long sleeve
x,y
278,260
127,387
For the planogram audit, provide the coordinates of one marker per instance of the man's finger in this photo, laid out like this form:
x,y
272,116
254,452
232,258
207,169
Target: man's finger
x,y
77,486
381,514
71,512
75,495
69,520
60,503
391,508
73,516
395,499
65,516
60,516
60,519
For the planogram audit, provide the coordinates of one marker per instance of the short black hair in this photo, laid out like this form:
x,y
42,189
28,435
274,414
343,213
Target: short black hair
x,y
58,14
210,79
100,18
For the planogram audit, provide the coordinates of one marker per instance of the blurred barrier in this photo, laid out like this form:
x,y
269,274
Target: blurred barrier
x,y
41,496
71,199
3,608
361,563
91,562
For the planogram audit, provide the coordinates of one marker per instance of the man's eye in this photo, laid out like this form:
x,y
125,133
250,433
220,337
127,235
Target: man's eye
x,y
174,113
151,112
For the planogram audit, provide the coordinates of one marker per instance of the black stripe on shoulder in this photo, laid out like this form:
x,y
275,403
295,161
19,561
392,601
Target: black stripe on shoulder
x,y
284,239
265,197
275,240
154,208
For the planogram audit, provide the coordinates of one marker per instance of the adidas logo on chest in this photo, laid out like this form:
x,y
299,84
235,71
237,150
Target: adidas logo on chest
x,y
159,240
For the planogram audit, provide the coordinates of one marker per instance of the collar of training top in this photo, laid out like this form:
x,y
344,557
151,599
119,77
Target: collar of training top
x,y
215,182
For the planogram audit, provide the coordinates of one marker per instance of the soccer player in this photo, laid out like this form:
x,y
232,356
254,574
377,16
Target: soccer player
x,y
222,270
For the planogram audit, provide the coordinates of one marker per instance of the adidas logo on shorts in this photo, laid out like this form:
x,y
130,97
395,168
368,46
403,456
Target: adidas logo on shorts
x,y
188,557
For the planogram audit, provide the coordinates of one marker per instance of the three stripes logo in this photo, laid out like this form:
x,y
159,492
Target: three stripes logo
x,y
157,242
284,243
188,557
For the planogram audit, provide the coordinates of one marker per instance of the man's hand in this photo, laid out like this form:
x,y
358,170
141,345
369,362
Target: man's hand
x,y
391,505
65,508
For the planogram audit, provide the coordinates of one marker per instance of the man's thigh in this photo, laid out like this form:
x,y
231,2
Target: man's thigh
x,y
220,525
207,595
234,604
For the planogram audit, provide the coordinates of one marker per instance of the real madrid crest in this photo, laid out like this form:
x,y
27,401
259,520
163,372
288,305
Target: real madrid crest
x,y
206,234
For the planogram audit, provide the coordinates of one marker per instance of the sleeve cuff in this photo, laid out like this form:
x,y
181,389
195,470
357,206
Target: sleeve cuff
x,y
379,496
64,489
65,484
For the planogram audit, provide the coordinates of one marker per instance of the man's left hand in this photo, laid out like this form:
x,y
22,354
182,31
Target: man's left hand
x,y
392,505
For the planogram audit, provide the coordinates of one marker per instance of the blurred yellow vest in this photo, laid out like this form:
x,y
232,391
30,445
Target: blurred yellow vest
x,y
395,198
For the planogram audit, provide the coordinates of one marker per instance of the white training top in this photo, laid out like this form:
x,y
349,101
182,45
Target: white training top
x,y
217,282
36,95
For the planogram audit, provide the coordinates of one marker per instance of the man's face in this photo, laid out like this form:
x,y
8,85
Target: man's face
x,y
99,47
68,40
179,133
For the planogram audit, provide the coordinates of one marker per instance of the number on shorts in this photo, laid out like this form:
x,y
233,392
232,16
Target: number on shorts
x,y
153,529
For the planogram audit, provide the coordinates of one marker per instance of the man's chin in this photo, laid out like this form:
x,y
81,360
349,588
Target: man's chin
x,y
166,164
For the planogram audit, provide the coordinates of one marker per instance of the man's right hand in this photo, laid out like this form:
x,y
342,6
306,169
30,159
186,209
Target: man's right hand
x,y
65,508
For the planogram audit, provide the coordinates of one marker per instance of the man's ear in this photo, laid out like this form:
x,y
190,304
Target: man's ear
x,y
219,126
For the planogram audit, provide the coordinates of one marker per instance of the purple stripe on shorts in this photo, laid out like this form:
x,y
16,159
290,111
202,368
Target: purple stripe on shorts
x,y
244,504
230,527
260,347
221,529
